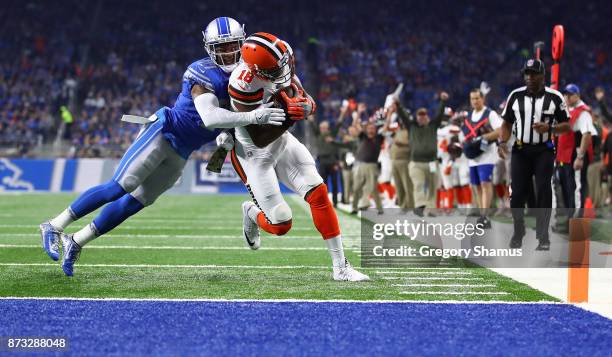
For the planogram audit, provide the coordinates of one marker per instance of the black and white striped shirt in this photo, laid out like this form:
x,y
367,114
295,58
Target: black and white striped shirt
x,y
523,110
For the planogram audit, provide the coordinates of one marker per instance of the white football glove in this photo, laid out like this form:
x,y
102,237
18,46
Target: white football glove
x,y
225,140
267,115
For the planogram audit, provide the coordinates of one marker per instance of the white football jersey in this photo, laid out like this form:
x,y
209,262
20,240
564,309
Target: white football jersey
x,y
246,88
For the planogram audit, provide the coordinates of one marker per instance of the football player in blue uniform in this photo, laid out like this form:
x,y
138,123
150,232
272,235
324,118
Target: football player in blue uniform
x,y
156,159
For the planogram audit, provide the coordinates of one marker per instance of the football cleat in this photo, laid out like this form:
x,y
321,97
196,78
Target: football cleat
x,y
50,240
348,273
250,229
71,251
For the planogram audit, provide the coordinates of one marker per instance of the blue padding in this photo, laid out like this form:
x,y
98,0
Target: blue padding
x,y
96,197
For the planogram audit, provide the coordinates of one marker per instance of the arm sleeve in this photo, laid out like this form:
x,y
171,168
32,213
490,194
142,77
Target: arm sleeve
x,y
215,117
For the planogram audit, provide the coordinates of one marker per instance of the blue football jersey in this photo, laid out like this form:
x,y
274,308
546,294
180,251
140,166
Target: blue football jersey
x,y
183,127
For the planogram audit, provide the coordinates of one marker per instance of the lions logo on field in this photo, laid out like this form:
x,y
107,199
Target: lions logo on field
x,y
10,175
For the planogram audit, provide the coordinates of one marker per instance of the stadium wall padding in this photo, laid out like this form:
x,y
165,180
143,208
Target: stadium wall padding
x,y
77,175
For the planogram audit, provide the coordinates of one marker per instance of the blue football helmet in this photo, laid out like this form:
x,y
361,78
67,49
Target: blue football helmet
x,y
223,38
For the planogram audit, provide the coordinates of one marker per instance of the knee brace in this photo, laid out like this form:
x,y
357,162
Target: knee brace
x,y
323,213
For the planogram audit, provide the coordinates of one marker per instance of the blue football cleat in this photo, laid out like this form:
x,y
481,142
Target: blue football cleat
x,y
71,252
50,240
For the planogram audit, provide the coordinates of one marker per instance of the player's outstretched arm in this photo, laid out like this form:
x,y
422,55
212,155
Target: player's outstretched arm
x,y
214,117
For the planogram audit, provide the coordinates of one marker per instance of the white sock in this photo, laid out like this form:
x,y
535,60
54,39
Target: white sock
x,y
85,235
253,212
336,251
63,219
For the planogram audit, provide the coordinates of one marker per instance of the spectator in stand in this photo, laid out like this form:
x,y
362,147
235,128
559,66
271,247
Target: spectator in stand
x,y
400,159
366,166
423,155
68,119
327,154
348,150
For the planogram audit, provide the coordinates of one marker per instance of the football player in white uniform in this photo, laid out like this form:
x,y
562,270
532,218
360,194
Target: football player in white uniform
x,y
263,155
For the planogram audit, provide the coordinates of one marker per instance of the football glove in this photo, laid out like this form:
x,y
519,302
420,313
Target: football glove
x,y
300,106
225,140
266,115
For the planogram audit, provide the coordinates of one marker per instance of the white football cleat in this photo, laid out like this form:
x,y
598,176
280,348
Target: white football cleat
x,y
348,273
250,229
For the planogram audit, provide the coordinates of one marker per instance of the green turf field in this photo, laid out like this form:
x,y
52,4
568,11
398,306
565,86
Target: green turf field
x,y
191,247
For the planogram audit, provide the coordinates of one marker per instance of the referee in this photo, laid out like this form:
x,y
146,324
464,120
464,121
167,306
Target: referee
x,y
533,113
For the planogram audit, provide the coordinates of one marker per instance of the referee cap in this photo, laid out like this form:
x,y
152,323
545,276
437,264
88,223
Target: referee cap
x,y
572,89
534,65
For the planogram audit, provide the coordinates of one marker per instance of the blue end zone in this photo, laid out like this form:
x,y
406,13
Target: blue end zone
x,y
264,328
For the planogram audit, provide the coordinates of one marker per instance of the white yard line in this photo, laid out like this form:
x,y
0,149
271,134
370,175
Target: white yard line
x,y
164,236
428,278
419,302
433,271
184,266
448,285
422,268
454,292
168,227
99,246
176,266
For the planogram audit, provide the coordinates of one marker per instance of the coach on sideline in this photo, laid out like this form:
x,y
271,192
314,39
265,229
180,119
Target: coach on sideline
x,y
534,112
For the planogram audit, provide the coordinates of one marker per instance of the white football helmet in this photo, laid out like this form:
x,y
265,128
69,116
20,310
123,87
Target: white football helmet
x,y
220,32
